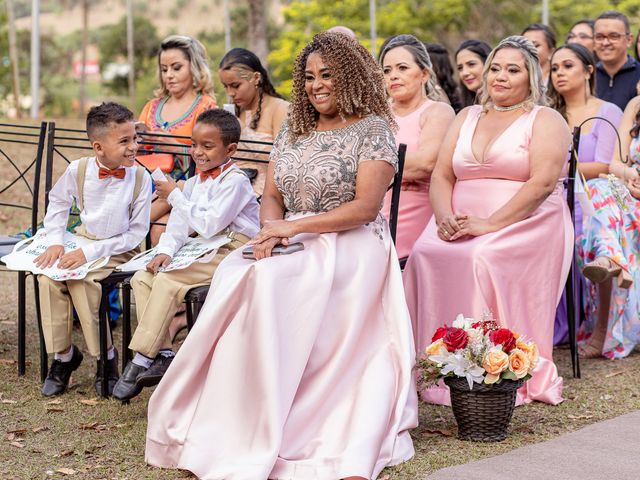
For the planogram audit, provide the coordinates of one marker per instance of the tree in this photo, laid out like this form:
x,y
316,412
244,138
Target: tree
x,y
258,16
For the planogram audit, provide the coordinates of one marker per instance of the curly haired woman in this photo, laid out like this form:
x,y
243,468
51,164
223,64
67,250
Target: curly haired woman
x,y
299,366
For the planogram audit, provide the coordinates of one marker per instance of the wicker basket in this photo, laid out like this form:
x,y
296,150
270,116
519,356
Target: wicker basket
x,y
483,414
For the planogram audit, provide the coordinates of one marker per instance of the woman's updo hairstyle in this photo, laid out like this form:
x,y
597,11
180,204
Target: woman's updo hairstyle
x,y
245,63
420,56
537,89
195,52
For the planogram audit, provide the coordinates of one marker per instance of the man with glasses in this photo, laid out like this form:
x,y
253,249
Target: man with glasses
x,y
617,73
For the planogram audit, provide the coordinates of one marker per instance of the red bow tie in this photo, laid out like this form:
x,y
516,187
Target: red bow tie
x,y
214,172
106,173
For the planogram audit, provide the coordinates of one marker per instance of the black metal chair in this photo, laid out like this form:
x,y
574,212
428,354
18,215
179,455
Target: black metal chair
x,y
15,141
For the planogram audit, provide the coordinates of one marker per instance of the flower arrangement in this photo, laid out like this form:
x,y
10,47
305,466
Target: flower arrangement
x,y
480,351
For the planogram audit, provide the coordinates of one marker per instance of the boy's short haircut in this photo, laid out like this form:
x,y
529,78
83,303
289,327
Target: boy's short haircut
x,y
224,121
100,116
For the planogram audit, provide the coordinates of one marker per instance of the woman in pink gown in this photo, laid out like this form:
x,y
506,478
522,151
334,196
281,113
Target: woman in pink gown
x,y
299,365
422,124
501,236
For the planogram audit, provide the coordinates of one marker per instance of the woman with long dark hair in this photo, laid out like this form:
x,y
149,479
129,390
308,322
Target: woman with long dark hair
x,y
444,74
470,58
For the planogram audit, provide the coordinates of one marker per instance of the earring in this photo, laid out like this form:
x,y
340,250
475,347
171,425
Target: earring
x,y
587,90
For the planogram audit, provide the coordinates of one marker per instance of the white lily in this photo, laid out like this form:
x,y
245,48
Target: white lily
x,y
464,368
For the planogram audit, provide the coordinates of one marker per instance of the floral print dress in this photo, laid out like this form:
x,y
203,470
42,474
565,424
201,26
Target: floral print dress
x,y
613,232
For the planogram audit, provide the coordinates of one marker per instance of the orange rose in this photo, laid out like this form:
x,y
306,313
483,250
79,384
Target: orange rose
x,y
531,349
495,361
434,348
519,363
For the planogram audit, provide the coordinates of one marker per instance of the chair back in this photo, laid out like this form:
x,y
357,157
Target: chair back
x,y
22,148
395,192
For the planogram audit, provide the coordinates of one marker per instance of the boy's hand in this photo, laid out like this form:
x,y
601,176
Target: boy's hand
x,y
49,256
163,189
160,260
73,259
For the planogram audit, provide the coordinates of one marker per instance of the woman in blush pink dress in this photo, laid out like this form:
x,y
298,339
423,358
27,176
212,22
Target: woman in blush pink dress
x,y
422,124
501,236
300,365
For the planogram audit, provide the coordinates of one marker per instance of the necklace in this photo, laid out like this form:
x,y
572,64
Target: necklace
x,y
509,108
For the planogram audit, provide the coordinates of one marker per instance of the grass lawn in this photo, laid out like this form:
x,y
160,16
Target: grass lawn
x,y
79,436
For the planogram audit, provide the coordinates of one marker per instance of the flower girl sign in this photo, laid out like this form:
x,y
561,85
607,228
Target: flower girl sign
x,y
194,250
25,252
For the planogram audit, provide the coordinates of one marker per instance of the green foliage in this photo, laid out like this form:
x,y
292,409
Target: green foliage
x,y
112,42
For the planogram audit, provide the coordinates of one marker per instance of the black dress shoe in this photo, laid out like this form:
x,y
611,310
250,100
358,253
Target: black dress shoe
x,y
155,372
57,380
112,374
126,388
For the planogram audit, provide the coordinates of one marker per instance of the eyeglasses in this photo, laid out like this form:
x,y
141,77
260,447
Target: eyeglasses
x,y
581,36
612,37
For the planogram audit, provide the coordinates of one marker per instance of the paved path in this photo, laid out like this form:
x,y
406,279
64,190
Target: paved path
x,y
608,450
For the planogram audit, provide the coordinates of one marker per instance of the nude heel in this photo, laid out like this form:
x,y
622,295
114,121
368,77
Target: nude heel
x,y
624,279
601,269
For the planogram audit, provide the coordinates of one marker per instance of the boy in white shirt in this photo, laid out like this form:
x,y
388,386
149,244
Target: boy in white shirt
x,y
218,200
114,198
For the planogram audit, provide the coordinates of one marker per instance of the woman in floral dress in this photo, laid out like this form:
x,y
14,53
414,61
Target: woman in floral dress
x,y
609,248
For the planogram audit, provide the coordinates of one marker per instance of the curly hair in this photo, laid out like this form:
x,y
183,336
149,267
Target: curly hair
x,y
537,89
357,80
244,62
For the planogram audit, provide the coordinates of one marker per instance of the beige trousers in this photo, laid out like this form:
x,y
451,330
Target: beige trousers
x,y
158,298
57,299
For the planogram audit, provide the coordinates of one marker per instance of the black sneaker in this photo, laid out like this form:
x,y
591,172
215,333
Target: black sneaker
x,y
112,374
126,388
155,372
57,380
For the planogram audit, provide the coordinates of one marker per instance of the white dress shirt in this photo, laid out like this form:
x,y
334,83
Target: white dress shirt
x,y
105,212
210,207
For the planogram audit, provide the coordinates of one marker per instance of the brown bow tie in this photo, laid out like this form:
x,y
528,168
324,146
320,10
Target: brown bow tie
x,y
106,173
214,172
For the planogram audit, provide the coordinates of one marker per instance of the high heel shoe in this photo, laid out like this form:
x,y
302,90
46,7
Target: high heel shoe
x,y
601,269
624,279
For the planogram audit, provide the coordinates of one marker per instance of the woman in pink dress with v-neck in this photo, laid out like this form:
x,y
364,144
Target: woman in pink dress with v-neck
x,y
501,236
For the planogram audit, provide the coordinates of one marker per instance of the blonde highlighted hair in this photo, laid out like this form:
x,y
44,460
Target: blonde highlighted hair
x,y
196,54
537,90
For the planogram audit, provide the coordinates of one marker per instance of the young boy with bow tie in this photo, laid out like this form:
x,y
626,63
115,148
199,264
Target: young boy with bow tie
x,y
218,200
114,198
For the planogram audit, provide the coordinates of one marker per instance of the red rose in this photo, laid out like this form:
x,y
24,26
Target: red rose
x,y
455,339
441,332
504,337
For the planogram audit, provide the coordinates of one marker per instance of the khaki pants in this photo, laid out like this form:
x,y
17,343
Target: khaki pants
x,y
158,298
57,299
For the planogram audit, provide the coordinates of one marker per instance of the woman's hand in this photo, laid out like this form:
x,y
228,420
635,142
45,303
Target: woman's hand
x,y
449,226
473,226
263,249
281,229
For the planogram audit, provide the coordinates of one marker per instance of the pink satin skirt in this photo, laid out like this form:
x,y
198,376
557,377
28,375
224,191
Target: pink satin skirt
x,y
414,212
299,367
517,273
